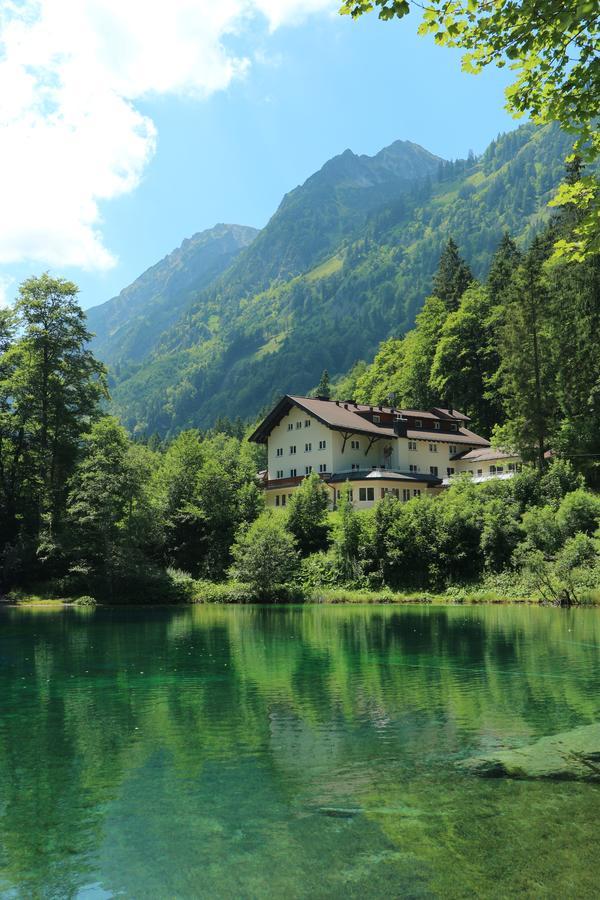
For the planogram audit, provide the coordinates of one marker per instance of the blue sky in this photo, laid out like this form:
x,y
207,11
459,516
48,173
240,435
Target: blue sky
x,y
157,160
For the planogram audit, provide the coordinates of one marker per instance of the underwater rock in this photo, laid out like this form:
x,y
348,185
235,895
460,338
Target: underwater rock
x,y
570,755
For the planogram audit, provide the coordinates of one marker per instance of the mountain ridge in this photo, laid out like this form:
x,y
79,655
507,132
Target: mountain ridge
x,y
334,274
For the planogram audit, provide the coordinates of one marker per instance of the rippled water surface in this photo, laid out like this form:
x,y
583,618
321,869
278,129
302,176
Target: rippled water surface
x,y
291,752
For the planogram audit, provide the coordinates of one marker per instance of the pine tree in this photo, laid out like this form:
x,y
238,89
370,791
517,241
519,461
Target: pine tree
x,y
323,389
452,277
528,355
505,262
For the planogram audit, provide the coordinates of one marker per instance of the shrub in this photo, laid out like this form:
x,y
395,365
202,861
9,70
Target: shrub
x,y
265,556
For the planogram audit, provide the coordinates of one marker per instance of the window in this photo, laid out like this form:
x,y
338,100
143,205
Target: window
x,y
293,448
280,473
453,426
307,448
376,419
479,473
492,470
322,445
355,466
298,424
283,499
413,468
280,451
416,492
370,493
365,494
350,495
433,470
338,494
355,445
290,426
293,473
276,499
322,467
452,450
436,426
499,470
412,445
405,494
511,467
418,423
307,470
307,423
450,471
433,448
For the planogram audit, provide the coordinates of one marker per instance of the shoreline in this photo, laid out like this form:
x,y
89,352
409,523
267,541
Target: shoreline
x,y
336,597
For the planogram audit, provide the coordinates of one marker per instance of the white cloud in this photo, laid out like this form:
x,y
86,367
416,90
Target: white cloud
x,y
6,290
71,135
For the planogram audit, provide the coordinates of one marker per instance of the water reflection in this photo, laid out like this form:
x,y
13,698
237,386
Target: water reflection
x,y
200,752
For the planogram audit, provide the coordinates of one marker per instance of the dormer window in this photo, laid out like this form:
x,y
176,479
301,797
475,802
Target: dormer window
x,y
376,419
453,426
418,423
436,426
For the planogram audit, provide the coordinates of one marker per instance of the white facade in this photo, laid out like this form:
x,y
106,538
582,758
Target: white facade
x,y
376,450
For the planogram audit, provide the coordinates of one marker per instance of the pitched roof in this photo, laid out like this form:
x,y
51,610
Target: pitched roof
x,y
342,416
462,436
486,453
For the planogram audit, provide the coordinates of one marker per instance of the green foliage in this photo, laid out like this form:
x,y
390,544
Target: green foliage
x,y
323,388
553,48
277,317
265,556
453,276
50,390
307,515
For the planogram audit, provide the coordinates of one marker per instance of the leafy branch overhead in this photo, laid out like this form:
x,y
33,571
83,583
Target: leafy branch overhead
x,y
553,47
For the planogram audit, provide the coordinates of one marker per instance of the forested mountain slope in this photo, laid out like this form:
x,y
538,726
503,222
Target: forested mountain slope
x,y
335,272
127,327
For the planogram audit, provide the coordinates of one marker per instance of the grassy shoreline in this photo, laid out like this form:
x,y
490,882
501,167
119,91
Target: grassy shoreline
x,y
234,594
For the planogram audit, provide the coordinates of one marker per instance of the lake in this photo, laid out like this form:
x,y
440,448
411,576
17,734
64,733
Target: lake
x,y
255,751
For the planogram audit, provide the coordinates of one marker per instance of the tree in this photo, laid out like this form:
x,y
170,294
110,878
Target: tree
x,y
307,515
323,388
505,261
552,46
50,393
452,277
104,492
528,357
347,540
265,556
466,360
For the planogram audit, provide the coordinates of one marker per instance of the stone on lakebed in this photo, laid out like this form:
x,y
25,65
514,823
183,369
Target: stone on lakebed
x,y
571,755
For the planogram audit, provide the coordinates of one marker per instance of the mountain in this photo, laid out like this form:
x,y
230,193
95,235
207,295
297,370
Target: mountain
x,y
127,327
345,262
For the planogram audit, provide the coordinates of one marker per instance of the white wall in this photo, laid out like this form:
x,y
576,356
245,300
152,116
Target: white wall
x,y
300,435
424,457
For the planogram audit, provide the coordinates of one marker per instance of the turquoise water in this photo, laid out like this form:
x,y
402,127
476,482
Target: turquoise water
x,y
291,752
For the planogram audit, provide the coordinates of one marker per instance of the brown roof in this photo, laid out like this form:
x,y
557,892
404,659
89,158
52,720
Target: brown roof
x,y
486,453
342,416
462,436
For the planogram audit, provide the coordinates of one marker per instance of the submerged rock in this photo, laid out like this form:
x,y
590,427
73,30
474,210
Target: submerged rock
x,y
570,755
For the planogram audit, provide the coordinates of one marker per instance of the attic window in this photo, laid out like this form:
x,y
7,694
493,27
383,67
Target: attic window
x,y
376,419
418,423
436,426
453,426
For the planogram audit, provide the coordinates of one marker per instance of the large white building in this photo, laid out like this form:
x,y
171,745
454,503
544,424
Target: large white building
x,y
376,449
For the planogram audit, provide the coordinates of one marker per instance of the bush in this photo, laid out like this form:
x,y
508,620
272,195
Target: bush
x,y
265,556
182,585
85,601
